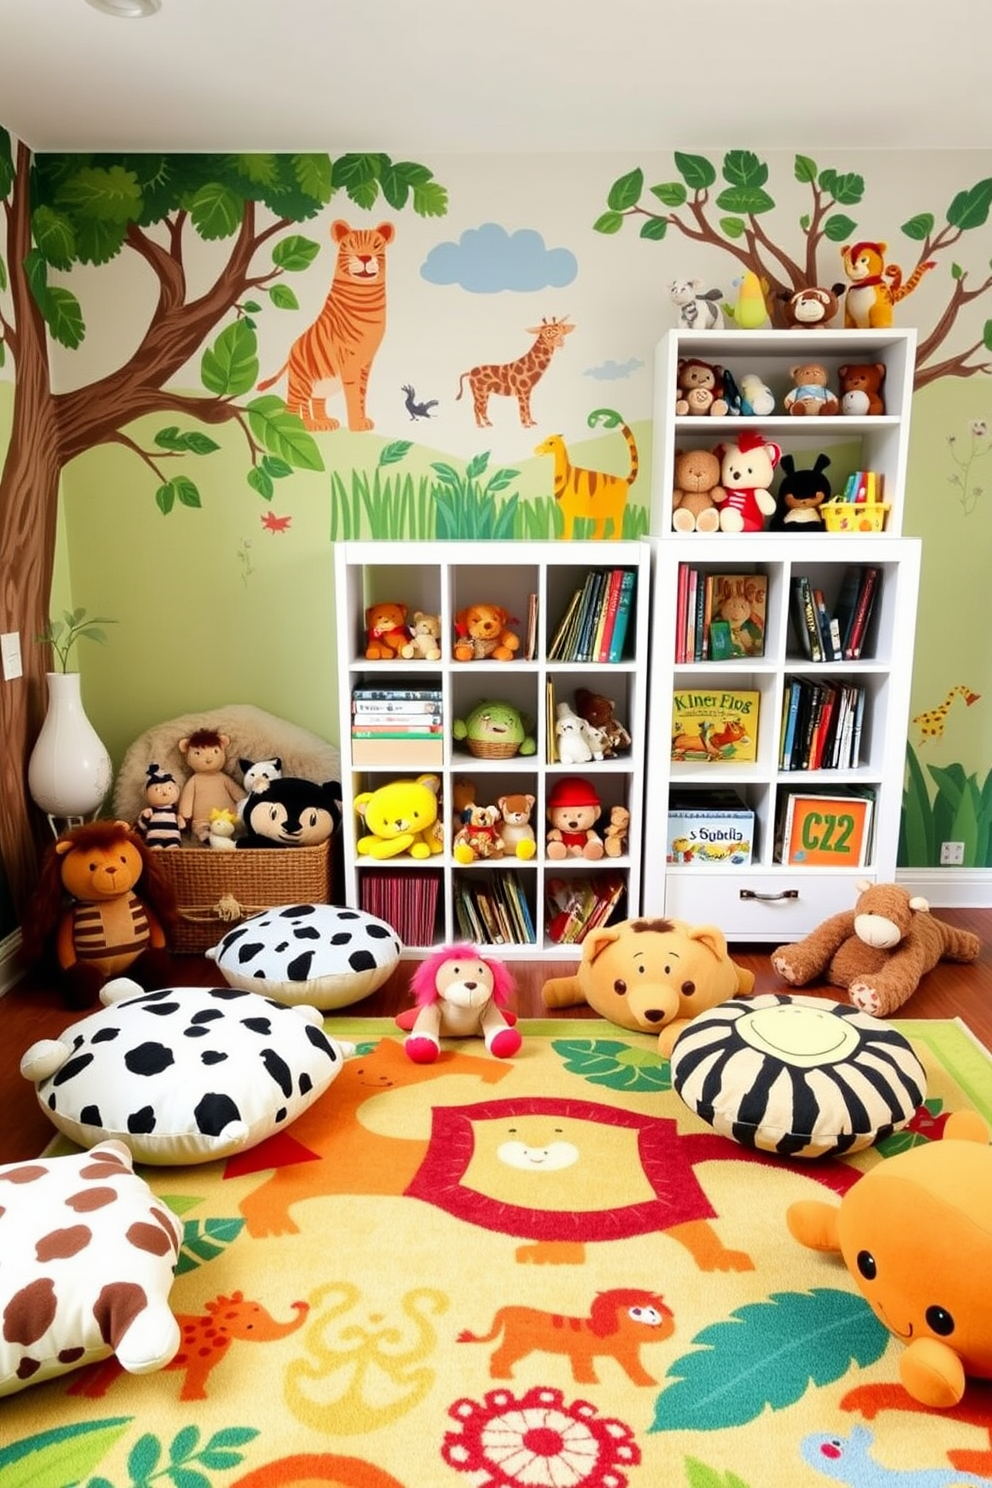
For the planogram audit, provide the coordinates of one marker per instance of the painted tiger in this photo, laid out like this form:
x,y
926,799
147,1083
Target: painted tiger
x,y
595,495
340,345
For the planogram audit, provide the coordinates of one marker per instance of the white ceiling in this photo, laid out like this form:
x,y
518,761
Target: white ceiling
x,y
421,77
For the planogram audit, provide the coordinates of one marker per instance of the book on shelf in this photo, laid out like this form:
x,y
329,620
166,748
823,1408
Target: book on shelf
x,y
556,647
406,901
829,628
871,583
681,610
818,722
802,611
577,905
530,645
594,625
550,719
717,725
821,829
740,600
492,909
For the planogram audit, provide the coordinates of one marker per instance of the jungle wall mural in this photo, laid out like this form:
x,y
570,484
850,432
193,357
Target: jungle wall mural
x,y
214,367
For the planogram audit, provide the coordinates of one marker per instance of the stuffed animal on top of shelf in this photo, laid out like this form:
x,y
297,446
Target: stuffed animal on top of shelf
x,y
700,389
915,1233
878,950
119,914
459,992
800,496
810,394
807,309
874,286
386,631
160,823
750,312
482,633
208,786
699,308
861,388
573,810
746,469
696,491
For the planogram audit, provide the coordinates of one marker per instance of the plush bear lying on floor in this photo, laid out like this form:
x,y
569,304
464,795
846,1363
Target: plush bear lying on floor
x,y
879,950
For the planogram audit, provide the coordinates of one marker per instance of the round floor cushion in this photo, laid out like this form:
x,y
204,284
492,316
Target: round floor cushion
x,y
320,954
799,1076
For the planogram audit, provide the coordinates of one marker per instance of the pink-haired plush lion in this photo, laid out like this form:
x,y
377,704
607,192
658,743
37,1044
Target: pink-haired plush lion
x,y
459,993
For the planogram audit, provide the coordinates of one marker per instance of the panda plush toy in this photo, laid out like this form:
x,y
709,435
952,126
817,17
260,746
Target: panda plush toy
x,y
289,812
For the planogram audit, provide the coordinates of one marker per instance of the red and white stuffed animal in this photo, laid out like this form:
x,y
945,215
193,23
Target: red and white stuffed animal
x,y
746,470
459,992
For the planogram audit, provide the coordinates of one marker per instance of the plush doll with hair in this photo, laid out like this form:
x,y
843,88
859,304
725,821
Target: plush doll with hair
x,y
459,993
208,786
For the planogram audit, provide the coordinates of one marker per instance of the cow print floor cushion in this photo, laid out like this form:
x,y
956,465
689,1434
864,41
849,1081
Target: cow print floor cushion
x,y
320,954
798,1076
87,1264
183,1075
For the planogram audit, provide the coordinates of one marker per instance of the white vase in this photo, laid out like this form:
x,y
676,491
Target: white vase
x,y
69,771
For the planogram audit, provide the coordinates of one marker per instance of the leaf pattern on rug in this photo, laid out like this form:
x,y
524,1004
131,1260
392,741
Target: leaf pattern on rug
x,y
204,1240
768,1354
614,1064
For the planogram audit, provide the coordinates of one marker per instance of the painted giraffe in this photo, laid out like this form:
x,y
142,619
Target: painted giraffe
x,y
931,722
516,379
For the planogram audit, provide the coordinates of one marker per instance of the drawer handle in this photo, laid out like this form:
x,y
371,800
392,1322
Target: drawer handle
x,y
784,894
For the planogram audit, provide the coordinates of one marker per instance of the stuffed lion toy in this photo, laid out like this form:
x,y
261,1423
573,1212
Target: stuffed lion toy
x,y
878,950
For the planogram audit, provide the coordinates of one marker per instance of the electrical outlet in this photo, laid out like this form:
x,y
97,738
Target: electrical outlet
x,y
951,854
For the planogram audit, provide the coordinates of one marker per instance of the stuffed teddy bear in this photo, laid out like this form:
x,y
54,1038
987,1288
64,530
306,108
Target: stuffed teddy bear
x,y
401,816
516,833
205,752
700,389
459,993
615,836
386,631
160,823
494,730
915,1233
109,927
290,812
810,394
746,470
573,810
861,388
482,634
799,497
694,496
651,975
757,398
600,712
878,951
425,639
478,836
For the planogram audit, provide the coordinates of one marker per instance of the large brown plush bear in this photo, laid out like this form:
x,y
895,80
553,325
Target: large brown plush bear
x,y
878,951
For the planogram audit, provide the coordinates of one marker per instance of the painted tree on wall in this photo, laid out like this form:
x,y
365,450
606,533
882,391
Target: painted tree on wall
x,y
65,210
732,215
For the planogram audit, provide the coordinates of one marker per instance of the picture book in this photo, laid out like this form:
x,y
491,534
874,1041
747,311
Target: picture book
x,y
714,726
821,830
741,600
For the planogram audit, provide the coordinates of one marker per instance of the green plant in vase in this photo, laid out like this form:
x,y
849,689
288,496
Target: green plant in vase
x,y
75,625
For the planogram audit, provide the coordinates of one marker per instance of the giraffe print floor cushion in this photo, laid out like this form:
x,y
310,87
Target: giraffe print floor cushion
x,y
798,1076
320,954
87,1263
183,1075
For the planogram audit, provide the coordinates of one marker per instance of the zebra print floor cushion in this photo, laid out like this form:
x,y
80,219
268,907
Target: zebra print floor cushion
x,y
798,1076
319,954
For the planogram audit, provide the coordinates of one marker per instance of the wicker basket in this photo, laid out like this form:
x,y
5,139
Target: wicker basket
x,y
214,890
483,749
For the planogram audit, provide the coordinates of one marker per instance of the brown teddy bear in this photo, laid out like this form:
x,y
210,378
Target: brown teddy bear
x,y
599,711
861,388
700,389
878,951
696,492
615,836
810,394
478,837
425,641
482,633
387,631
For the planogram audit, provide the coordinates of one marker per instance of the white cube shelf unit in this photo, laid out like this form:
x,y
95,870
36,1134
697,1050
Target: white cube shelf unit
x,y
770,898
442,578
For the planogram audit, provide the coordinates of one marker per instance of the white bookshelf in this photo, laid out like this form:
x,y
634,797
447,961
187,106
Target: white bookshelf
x,y
442,578
767,900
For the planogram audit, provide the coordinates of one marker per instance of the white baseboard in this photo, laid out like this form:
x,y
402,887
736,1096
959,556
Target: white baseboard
x,y
949,888
12,964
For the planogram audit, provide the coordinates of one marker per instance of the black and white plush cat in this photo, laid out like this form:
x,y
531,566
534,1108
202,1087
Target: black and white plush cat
x,y
288,812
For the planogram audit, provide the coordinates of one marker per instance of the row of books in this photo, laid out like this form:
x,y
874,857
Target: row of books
x,y
394,723
492,909
838,634
577,905
821,724
861,486
407,901
719,616
594,625
826,829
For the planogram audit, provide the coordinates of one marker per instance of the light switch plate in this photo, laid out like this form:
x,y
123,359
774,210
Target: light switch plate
x,y
10,655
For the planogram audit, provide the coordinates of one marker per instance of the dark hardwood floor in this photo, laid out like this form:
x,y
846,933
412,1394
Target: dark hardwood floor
x,y
34,1010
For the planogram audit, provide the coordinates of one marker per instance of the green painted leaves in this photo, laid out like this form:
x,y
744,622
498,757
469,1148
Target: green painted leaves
x,y
230,366
766,1355
615,1064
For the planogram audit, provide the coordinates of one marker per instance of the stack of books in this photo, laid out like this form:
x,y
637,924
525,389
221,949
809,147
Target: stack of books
x,y
492,909
821,724
395,724
594,625
407,901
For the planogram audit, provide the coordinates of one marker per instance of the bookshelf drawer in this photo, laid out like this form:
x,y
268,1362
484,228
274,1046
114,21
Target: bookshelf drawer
x,y
773,907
